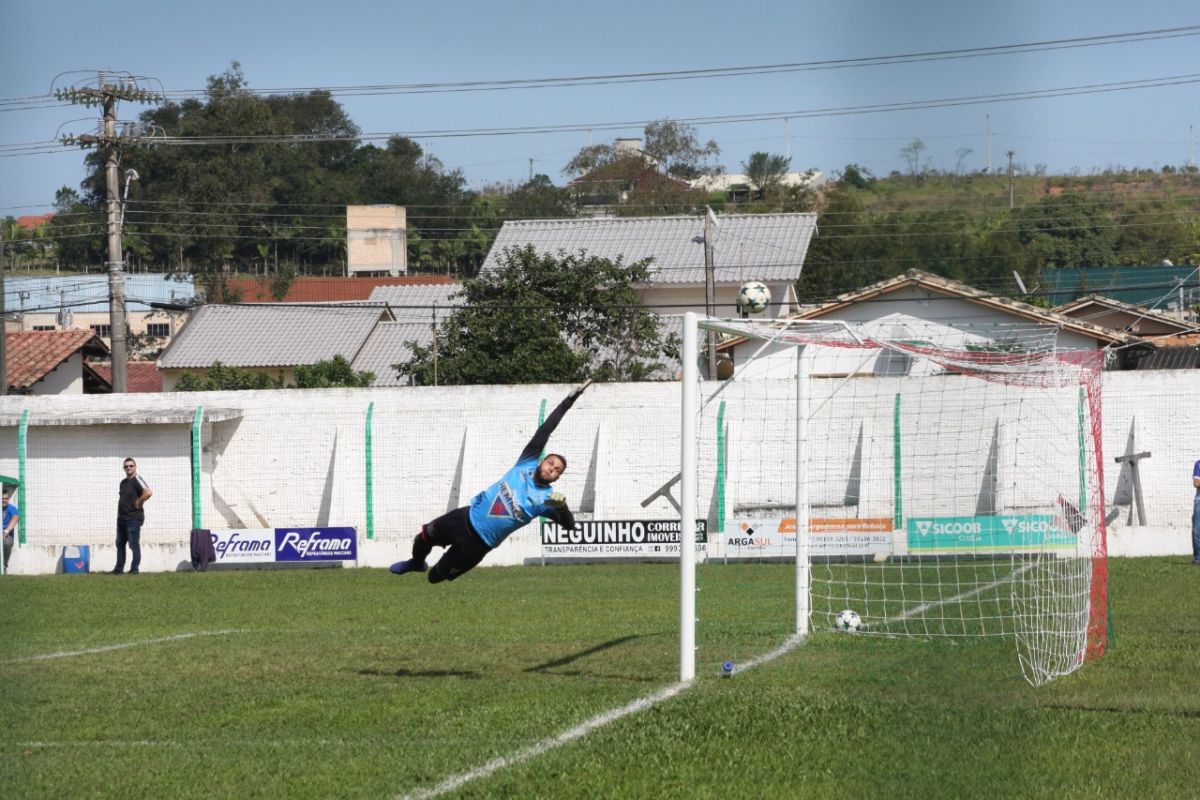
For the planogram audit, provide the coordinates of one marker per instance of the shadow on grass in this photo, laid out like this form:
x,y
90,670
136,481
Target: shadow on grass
x,y
1099,709
552,667
421,673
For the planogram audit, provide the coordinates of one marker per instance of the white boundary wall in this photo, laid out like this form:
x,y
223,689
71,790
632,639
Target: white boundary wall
x,y
296,458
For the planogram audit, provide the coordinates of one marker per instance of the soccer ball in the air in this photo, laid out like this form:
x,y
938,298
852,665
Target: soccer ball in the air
x,y
847,621
753,297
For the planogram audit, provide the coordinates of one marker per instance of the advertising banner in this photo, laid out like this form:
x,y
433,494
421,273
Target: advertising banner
x,y
316,544
1003,533
241,546
272,545
618,538
755,538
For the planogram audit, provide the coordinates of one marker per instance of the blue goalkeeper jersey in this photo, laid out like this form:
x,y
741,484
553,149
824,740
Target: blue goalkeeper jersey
x,y
517,498
510,503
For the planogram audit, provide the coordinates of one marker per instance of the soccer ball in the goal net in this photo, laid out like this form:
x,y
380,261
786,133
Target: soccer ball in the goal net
x,y
848,621
753,297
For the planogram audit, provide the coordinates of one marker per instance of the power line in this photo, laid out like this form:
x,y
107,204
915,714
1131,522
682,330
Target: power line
x,y
723,119
689,74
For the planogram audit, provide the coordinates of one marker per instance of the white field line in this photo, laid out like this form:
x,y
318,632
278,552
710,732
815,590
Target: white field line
x,y
546,745
921,609
584,728
121,646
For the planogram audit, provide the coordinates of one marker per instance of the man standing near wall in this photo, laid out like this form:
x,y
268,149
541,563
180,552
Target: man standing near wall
x,y
1196,514
11,516
132,495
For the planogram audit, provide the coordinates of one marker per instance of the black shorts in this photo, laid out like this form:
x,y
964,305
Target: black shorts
x,y
453,530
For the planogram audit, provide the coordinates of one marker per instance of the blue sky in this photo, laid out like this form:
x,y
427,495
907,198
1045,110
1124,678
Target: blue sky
x,y
369,42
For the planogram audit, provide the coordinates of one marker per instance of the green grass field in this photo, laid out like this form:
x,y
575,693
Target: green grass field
x,y
357,684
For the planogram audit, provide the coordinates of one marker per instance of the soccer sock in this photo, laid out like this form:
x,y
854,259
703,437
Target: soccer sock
x,y
421,547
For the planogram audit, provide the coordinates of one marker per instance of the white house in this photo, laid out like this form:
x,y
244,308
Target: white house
x,y
919,308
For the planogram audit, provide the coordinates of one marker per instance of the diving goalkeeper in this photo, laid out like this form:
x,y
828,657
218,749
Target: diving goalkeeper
x,y
521,494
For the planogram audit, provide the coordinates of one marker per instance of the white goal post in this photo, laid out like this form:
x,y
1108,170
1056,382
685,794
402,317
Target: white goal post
x,y
941,481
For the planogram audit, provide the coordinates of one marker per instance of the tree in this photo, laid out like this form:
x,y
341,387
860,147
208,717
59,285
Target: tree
x,y
1067,230
543,318
78,230
538,198
219,377
674,147
228,200
331,374
846,255
960,154
678,151
911,153
590,158
857,176
766,171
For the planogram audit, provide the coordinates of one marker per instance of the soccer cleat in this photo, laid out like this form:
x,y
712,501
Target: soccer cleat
x,y
401,567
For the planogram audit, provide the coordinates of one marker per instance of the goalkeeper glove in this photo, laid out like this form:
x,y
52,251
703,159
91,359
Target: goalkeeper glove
x,y
579,391
557,499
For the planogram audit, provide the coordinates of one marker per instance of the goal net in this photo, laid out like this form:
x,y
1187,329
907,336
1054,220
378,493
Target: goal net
x,y
937,481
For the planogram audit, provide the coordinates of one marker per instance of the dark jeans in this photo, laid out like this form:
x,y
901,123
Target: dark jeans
x,y
1196,528
129,530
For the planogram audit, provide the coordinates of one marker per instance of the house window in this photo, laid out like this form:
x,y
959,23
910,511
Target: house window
x,y
103,331
43,327
158,329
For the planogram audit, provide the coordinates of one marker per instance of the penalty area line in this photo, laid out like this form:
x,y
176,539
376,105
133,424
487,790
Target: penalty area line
x,y
546,745
119,646
579,731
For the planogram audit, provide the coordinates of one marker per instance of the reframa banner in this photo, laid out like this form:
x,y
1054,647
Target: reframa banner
x,y
273,545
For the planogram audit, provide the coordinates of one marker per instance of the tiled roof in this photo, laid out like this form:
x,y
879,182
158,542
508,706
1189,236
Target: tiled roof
x,y
416,303
31,355
31,222
270,335
767,247
318,289
140,376
1084,305
953,288
388,345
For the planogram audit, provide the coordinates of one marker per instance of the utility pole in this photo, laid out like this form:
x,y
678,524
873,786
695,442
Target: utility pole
x,y
1010,180
988,119
110,89
710,289
116,275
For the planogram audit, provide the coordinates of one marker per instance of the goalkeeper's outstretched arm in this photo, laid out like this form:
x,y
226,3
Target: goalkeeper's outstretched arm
x,y
538,443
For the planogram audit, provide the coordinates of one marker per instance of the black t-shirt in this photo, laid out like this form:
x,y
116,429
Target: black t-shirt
x,y
131,489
